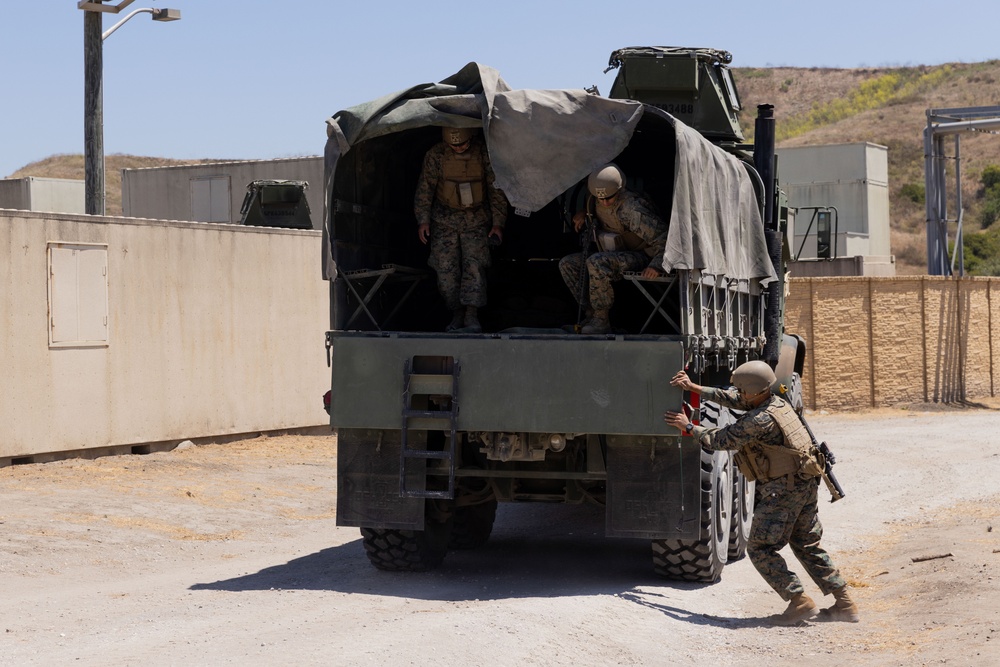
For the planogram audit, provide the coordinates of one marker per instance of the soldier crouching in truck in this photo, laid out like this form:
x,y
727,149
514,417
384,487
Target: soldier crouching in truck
x,y
630,237
456,203
773,448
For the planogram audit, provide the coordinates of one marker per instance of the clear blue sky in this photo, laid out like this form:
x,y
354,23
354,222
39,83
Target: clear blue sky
x,y
255,79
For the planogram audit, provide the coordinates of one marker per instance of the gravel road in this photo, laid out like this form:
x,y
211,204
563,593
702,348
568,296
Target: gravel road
x,y
230,554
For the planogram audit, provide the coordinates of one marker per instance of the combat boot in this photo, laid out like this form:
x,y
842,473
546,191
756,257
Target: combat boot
x,y
457,320
800,608
472,320
598,324
844,609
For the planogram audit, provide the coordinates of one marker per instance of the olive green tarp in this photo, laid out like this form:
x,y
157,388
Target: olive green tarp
x,y
542,142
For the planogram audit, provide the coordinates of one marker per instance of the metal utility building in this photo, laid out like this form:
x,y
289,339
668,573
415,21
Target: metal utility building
x,y
51,195
849,182
214,192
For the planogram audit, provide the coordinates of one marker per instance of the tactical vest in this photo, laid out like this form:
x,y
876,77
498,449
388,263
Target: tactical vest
x,y
615,236
462,177
797,457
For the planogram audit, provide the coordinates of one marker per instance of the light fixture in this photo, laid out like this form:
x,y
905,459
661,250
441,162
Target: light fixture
x,y
166,14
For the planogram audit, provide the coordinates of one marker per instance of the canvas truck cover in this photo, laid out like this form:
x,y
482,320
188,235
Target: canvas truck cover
x,y
542,142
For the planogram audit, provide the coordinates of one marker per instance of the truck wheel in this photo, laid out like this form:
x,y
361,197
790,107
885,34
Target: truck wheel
x,y
794,395
712,414
472,525
702,560
742,515
406,550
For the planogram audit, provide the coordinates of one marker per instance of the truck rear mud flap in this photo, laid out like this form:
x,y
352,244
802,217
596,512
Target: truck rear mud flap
x,y
368,481
653,488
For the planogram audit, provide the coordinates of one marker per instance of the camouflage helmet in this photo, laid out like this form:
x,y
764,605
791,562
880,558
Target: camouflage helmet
x,y
606,181
456,136
753,377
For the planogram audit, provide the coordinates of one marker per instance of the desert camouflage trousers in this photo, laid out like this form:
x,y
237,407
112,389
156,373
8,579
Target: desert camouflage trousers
x,y
602,269
782,516
459,255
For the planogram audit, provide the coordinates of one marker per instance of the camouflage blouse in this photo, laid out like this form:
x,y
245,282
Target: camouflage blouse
x,y
637,215
432,173
754,427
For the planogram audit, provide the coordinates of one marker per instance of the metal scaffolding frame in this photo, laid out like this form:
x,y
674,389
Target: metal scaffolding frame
x,y
940,124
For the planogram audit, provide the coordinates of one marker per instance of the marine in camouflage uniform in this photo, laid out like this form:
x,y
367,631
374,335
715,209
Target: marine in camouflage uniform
x,y
785,505
456,205
630,236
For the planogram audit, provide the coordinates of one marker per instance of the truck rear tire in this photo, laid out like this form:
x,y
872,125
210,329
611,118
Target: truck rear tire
x,y
742,515
702,560
712,414
472,525
406,550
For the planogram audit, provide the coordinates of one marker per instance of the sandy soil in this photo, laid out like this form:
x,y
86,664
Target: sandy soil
x,y
230,554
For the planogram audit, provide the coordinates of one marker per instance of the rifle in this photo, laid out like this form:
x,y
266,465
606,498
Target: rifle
x,y
830,479
836,491
586,237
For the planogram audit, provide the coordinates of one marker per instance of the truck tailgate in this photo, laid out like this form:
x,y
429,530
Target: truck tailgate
x,y
514,382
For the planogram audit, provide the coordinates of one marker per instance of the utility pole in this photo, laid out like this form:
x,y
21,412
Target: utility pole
x,y
93,111
943,123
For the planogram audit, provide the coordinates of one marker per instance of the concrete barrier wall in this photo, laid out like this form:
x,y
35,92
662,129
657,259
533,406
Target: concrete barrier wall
x,y
211,330
879,342
218,329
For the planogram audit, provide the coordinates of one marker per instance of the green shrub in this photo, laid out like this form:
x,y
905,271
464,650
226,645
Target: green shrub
x,y
987,267
914,192
874,93
982,252
990,178
989,213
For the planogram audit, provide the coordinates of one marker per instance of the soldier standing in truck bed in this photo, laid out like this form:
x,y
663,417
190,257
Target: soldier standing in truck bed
x,y
630,237
456,204
773,448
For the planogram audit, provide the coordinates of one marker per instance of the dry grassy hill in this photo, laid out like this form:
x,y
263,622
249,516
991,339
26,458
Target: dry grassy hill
x,y
885,106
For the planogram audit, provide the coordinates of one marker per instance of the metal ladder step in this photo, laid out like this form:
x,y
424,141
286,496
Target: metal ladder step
x,y
426,384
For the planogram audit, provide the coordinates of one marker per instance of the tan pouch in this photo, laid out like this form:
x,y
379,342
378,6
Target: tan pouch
x,y
609,241
465,196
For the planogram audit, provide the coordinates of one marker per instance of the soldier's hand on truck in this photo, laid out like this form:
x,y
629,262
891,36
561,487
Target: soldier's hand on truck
x,y
424,233
495,237
678,420
683,382
650,272
579,218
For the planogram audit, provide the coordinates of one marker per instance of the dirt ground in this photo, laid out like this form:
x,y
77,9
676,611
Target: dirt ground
x,y
230,554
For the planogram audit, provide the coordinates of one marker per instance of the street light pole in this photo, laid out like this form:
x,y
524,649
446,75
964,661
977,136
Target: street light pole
x,y
93,91
93,111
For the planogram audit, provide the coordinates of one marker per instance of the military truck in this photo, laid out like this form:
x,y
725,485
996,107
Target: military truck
x,y
276,203
435,429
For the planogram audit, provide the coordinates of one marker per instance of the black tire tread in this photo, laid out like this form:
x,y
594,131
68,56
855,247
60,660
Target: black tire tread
x,y
472,525
692,560
716,415
395,550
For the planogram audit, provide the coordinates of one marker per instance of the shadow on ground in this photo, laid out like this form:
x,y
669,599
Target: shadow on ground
x,y
535,551
658,602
